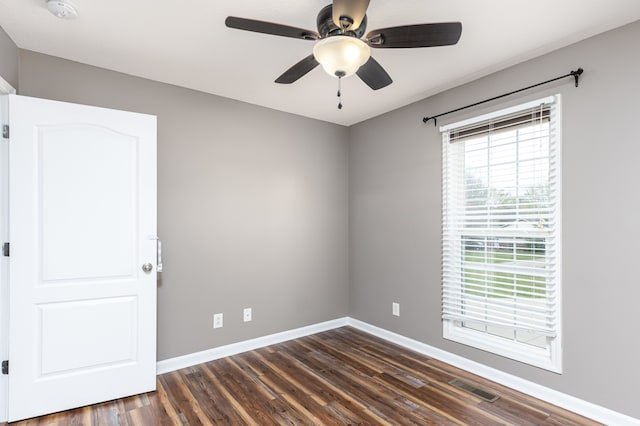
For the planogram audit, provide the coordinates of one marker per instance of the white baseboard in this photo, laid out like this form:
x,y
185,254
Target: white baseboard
x,y
551,396
184,361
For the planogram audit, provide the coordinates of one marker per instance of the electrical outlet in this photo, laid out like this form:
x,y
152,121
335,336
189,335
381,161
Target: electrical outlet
x,y
217,320
395,309
247,314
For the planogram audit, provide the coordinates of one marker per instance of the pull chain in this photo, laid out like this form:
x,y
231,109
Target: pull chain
x,y
339,92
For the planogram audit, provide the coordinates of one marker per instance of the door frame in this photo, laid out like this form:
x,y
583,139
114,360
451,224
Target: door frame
x,y
5,89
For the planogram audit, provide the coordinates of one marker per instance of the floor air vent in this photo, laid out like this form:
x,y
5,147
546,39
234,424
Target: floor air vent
x,y
487,396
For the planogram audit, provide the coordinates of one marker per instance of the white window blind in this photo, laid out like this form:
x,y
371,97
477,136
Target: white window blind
x,y
501,220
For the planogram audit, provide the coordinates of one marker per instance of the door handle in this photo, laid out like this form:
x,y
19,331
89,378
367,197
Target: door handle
x,y
158,252
147,267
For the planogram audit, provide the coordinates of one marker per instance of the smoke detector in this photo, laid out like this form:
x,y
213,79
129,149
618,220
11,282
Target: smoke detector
x,y
63,9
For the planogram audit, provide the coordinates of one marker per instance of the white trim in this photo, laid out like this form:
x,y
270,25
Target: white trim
x,y
506,111
4,261
184,361
6,88
556,344
528,354
568,402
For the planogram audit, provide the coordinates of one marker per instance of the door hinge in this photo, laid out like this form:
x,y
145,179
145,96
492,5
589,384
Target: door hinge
x,y
6,249
5,366
5,131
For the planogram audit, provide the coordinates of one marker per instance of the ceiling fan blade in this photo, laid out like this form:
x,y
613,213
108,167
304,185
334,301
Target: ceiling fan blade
x,y
422,35
270,28
374,75
348,14
298,70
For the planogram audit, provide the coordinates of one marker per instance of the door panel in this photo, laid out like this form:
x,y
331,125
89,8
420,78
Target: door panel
x,y
82,212
74,201
108,326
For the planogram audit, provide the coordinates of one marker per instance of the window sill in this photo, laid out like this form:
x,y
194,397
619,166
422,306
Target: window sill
x,y
548,358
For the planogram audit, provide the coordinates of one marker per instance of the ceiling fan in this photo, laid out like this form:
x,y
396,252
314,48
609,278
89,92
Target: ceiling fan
x,y
340,47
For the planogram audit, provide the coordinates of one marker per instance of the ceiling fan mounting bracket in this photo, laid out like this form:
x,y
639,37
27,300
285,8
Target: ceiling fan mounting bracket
x,y
345,22
328,28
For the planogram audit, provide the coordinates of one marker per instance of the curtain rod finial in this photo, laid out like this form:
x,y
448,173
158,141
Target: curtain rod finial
x,y
425,120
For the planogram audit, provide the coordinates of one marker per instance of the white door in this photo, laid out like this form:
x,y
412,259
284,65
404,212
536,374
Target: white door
x,y
82,223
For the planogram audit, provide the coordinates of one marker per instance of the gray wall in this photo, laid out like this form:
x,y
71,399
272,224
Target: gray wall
x,y
395,216
8,59
252,205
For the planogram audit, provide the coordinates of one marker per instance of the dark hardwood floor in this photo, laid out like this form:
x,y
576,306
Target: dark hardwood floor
x,y
338,377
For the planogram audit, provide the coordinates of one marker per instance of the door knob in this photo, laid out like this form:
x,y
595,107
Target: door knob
x,y
147,267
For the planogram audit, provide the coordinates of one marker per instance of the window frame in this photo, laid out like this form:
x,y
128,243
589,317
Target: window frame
x,y
550,357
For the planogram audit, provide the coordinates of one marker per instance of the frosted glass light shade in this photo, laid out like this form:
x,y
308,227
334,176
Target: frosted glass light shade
x,y
341,54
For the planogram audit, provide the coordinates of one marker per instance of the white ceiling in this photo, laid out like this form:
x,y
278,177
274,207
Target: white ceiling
x,y
187,44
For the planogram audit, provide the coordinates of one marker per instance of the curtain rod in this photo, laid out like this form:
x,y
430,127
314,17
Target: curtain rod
x,y
575,74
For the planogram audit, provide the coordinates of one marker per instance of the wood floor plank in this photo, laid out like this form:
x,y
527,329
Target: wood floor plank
x,y
185,402
283,388
329,390
199,385
338,399
233,410
376,397
161,405
338,377
253,399
293,392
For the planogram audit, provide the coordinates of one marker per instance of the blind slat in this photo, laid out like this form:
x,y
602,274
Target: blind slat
x,y
499,232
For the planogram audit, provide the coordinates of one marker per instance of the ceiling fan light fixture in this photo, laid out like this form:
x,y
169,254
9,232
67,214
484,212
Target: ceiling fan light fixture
x,y
63,9
341,56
